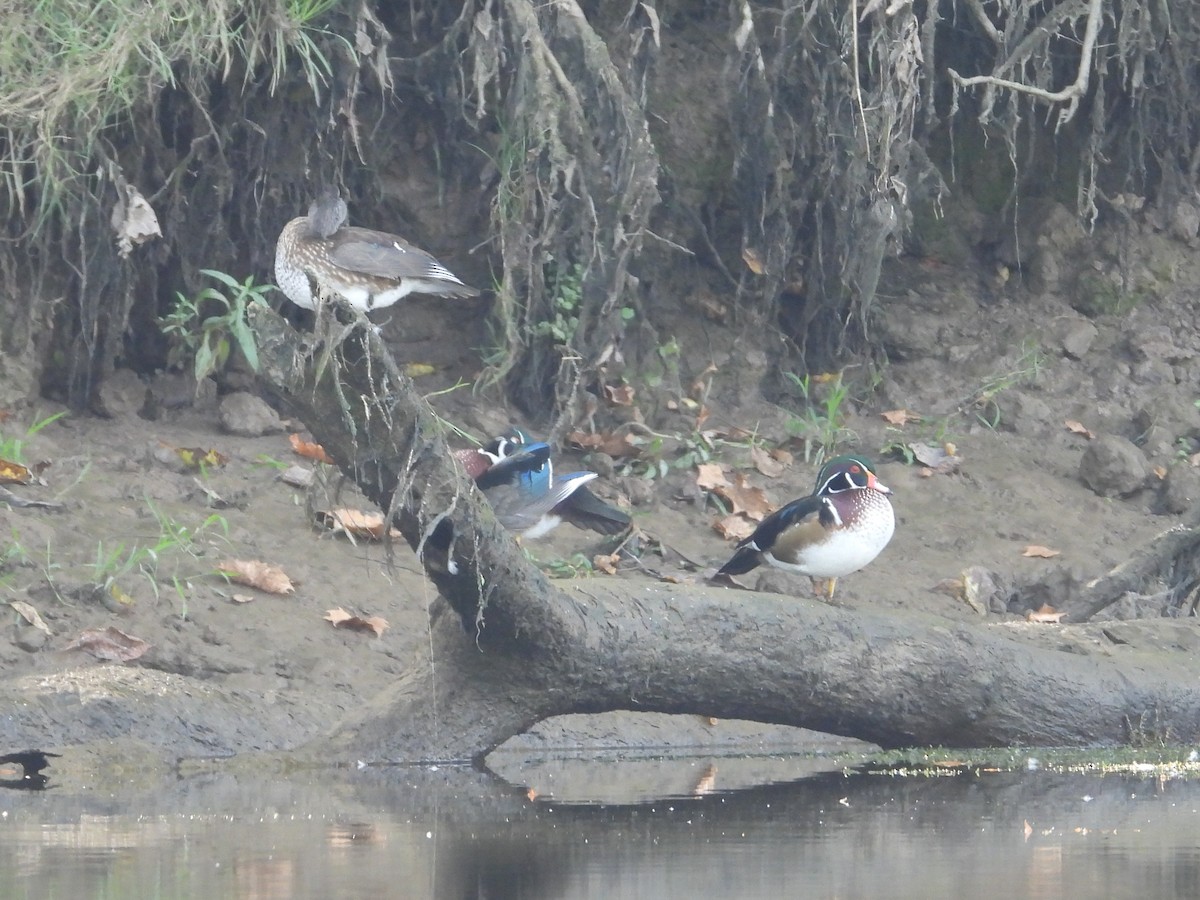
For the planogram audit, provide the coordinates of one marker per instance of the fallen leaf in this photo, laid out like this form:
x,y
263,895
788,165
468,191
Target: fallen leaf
x,y
199,458
900,417
120,597
1160,472
531,795
765,462
1028,829
606,562
753,261
339,618
309,449
14,473
735,526
1039,552
1079,428
940,460
746,498
1047,615
417,370
710,476
257,574
619,394
617,445
355,523
297,476
110,644
783,456
30,615
242,598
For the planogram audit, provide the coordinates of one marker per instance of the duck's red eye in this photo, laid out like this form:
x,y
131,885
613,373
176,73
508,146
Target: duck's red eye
x,y
855,469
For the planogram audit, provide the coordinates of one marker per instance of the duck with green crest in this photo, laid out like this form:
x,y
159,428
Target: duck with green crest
x,y
838,529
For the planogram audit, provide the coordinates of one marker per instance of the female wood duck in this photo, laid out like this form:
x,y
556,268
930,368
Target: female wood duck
x,y
515,451
836,530
319,253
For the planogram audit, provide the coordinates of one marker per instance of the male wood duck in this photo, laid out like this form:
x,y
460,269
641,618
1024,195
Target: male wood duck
x,y
838,529
521,487
319,253
503,460
581,508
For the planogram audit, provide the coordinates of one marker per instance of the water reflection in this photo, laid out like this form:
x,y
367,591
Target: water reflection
x,y
461,833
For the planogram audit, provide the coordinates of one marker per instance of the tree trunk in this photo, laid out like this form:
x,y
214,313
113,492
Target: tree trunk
x,y
527,650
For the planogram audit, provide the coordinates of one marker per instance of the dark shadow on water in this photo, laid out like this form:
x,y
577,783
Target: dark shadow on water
x,y
458,832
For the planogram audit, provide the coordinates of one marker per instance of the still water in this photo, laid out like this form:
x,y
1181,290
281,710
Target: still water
x,y
459,833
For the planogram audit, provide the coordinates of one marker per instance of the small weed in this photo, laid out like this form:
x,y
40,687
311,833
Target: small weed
x,y
207,339
577,566
822,424
1025,371
270,462
114,563
13,449
565,286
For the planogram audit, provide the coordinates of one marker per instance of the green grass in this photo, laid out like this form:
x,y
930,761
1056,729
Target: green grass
x,y
74,67
13,448
821,421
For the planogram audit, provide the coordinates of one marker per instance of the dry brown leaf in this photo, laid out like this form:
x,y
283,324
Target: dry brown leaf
x,y
1079,428
783,456
614,444
676,579
30,615
243,598
765,462
257,574
309,449
1160,472
1039,552
1047,615
355,523
619,394
900,417
606,562
531,795
753,261
710,476
735,526
342,619
109,644
746,498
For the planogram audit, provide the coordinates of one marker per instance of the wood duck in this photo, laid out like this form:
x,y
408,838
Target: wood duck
x,y
838,529
514,451
581,507
319,253
521,487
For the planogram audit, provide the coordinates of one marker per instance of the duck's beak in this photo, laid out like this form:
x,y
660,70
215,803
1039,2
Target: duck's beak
x,y
876,485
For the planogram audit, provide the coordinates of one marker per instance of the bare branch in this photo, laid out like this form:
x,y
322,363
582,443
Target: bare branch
x,y
1073,92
